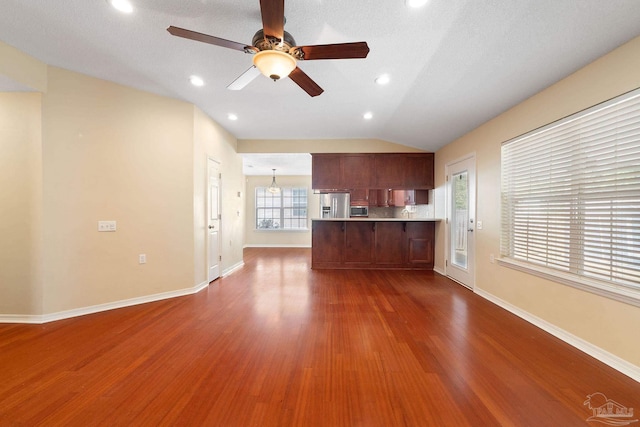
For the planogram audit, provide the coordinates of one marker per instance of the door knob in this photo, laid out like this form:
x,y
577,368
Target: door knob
x,y
211,227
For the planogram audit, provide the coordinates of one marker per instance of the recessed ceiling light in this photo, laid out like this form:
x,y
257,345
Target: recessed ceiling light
x,y
123,6
368,115
383,79
232,116
416,3
196,81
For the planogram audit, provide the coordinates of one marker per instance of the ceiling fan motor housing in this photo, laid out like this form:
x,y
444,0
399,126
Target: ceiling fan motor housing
x,y
263,42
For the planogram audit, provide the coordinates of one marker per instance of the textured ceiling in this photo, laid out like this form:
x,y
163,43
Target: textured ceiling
x,y
454,64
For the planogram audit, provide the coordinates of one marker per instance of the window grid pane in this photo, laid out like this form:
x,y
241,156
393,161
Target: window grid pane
x,y
286,210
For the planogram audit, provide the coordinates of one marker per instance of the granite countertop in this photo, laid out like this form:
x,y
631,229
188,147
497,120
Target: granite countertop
x,y
379,219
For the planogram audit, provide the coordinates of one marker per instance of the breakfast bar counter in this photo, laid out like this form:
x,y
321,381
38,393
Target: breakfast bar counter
x,y
373,243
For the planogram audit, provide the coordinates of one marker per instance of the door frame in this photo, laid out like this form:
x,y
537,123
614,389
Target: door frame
x,y
206,223
472,216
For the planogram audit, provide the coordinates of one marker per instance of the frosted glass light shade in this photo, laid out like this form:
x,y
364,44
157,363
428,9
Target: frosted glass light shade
x,y
274,64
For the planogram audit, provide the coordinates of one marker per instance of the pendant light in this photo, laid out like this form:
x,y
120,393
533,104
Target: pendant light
x,y
273,188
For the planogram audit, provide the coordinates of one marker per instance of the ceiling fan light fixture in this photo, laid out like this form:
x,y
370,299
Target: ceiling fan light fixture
x,y
274,64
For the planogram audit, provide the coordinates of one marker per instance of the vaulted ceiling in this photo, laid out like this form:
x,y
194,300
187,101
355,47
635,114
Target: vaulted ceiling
x,y
452,64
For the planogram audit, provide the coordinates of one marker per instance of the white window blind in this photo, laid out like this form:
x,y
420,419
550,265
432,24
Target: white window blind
x,y
571,195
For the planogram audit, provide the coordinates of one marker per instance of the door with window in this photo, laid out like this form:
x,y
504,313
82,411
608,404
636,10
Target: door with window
x,y
461,222
213,219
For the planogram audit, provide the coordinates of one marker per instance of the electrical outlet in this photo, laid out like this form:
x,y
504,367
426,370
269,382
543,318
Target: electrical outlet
x,y
479,225
142,259
492,259
106,226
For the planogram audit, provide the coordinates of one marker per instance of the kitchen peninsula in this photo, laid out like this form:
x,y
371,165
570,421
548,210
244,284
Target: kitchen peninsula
x,y
373,243
388,181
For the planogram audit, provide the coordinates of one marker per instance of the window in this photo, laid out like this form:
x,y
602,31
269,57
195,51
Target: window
x,y
571,199
286,210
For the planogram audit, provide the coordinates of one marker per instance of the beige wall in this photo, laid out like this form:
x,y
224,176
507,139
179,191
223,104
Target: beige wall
x,y
114,153
21,203
22,69
212,141
597,320
90,150
278,238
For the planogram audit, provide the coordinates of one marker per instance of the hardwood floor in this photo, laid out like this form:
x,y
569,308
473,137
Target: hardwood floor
x,y
279,344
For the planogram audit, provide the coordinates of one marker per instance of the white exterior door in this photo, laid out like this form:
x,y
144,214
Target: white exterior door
x,y
213,219
461,224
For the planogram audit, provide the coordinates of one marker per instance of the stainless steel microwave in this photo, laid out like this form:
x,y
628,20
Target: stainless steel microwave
x,y
359,211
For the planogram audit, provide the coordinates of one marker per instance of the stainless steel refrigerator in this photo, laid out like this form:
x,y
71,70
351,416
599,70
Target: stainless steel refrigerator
x,y
334,205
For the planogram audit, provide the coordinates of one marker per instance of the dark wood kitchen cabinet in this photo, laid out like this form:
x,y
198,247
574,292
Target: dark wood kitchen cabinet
x,y
420,244
341,171
356,170
327,241
410,197
359,197
418,171
349,171
358,243
371,244
389,170
389,244
326,171
403,170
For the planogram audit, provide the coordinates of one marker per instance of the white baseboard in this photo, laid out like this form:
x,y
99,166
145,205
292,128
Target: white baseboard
x,y
233,269
604,356
45,318
439,271
20,318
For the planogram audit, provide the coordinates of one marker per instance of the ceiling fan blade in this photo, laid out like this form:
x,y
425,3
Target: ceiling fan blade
x,y
334,51
244,78
305,82
205,38
272,17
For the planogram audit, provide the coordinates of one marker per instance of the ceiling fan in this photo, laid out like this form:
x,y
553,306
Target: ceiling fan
x,y
275,51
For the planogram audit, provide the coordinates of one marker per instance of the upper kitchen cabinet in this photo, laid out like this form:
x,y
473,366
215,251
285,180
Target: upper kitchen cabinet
x,y
356,170
418,171
389,170
341,171
404,170
372,171
326,171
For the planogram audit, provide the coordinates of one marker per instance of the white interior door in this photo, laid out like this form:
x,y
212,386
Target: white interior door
x,y
461,224
213,219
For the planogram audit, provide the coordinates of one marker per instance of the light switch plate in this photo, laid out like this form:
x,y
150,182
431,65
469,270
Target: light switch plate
x,y
106,226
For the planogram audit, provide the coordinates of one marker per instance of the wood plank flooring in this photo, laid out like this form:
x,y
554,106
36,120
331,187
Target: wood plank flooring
x,y
279,344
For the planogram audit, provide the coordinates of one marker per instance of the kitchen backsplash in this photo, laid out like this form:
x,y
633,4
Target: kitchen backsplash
x,y
419,211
